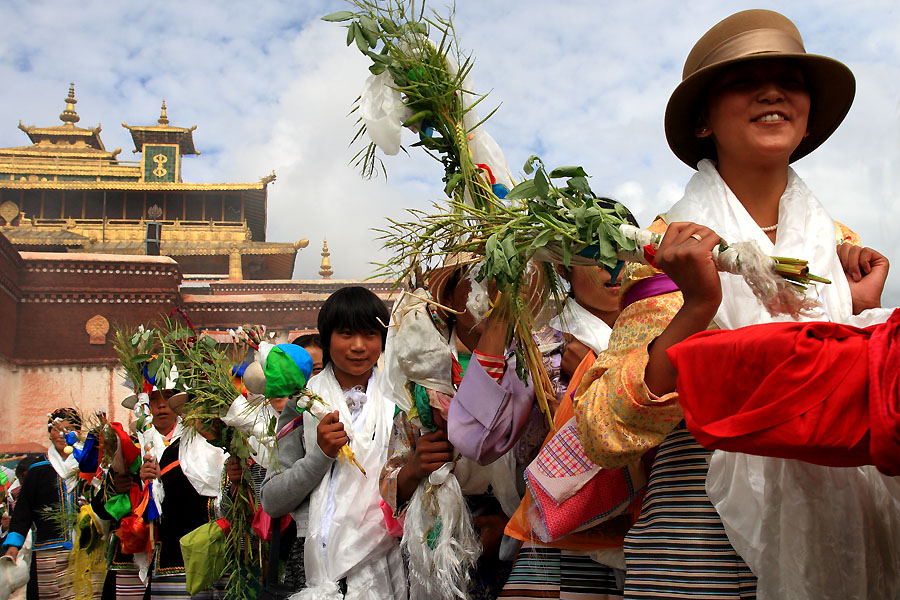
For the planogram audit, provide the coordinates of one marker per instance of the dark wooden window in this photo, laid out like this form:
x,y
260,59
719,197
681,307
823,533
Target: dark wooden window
x,y
193,207
93,205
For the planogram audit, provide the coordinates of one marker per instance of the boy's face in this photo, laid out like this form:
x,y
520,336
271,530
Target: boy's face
x,y
163,415
353,354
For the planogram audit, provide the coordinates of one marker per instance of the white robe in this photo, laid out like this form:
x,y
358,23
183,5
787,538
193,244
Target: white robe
x,y
806,531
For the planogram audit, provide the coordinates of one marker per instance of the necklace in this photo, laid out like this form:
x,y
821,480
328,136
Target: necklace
x,y
770,228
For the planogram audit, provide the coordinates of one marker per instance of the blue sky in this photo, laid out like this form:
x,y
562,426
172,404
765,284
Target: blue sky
x,y
582,82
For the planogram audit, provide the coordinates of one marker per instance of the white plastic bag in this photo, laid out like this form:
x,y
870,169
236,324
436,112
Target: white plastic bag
x,y
383,112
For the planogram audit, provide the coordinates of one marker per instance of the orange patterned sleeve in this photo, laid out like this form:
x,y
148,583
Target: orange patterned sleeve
x,y
617,418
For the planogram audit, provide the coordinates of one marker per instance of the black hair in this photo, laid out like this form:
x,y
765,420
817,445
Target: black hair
x,y
353,308
308,340
64,414
23,466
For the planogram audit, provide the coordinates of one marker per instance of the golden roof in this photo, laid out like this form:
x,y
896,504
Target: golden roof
x,y
65,140
162,133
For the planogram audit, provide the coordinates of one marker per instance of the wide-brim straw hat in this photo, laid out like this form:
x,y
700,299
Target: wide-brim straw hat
x,y
439,277
748,36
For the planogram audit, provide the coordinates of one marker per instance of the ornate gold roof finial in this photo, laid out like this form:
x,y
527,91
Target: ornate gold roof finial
x,y
163,119
69,115
325,268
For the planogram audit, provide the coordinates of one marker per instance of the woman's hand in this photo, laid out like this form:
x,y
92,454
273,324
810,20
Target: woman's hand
x,y
149,468
685,255
866,272
330,434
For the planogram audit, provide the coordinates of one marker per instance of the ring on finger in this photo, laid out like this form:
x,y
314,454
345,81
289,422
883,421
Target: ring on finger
x,y
696,237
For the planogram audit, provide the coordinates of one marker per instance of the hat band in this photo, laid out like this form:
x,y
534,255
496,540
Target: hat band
x,y
756,41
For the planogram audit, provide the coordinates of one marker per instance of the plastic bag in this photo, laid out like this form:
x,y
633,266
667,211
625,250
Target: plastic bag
x,y
203,550
383,112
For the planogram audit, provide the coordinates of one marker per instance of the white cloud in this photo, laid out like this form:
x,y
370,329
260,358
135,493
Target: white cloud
x,y
580,82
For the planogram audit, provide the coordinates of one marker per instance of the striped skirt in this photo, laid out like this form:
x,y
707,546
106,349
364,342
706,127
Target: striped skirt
x,y
129,584
678,548
54,582
175,586
541,572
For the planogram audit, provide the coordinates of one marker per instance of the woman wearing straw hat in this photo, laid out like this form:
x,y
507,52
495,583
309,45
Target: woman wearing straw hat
x,y
751,102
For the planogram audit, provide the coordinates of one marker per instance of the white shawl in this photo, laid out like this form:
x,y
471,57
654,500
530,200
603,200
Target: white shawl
x,y
588,328
806,531
66,468
347,535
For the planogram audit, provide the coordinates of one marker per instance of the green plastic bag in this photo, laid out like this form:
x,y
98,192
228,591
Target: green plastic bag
x,y
203,550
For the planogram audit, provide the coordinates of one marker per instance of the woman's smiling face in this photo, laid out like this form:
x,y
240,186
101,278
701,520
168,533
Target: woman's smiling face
x,y
758,111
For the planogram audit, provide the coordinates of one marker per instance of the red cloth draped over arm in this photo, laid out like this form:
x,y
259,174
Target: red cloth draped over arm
x,y
820,392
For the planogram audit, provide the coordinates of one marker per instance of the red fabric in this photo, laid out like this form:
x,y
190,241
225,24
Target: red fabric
x,y
133,534
884,395
794,390
650,255
225,524
129,450
262,524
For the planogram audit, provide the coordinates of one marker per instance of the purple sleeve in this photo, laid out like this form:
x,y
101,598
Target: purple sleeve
x,y
486,417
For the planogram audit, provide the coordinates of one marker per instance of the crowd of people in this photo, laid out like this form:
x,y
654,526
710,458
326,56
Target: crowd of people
x,y
462,488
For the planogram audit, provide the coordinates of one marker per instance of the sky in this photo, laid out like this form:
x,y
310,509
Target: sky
x,y
269,86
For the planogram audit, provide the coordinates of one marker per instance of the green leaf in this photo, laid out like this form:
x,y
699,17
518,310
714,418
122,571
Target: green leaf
x,y
566,247
368,23
371,38
451,185
541,239
337,17
540,184
491,245
379,58
567,172
351,33
525,189
377,69
580,184
529,164
388,25
361,42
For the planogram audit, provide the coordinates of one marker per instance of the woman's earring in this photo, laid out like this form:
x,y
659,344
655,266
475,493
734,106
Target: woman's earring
x,y
703,131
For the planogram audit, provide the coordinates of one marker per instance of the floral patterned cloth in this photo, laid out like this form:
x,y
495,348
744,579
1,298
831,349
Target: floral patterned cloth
x,y
618,419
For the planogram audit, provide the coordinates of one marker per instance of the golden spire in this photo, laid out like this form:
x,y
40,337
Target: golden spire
x,y
69,115
163,119
325,268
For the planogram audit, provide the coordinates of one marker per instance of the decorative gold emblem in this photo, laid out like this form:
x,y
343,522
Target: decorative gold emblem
x,y
97,327
9,210
160,160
